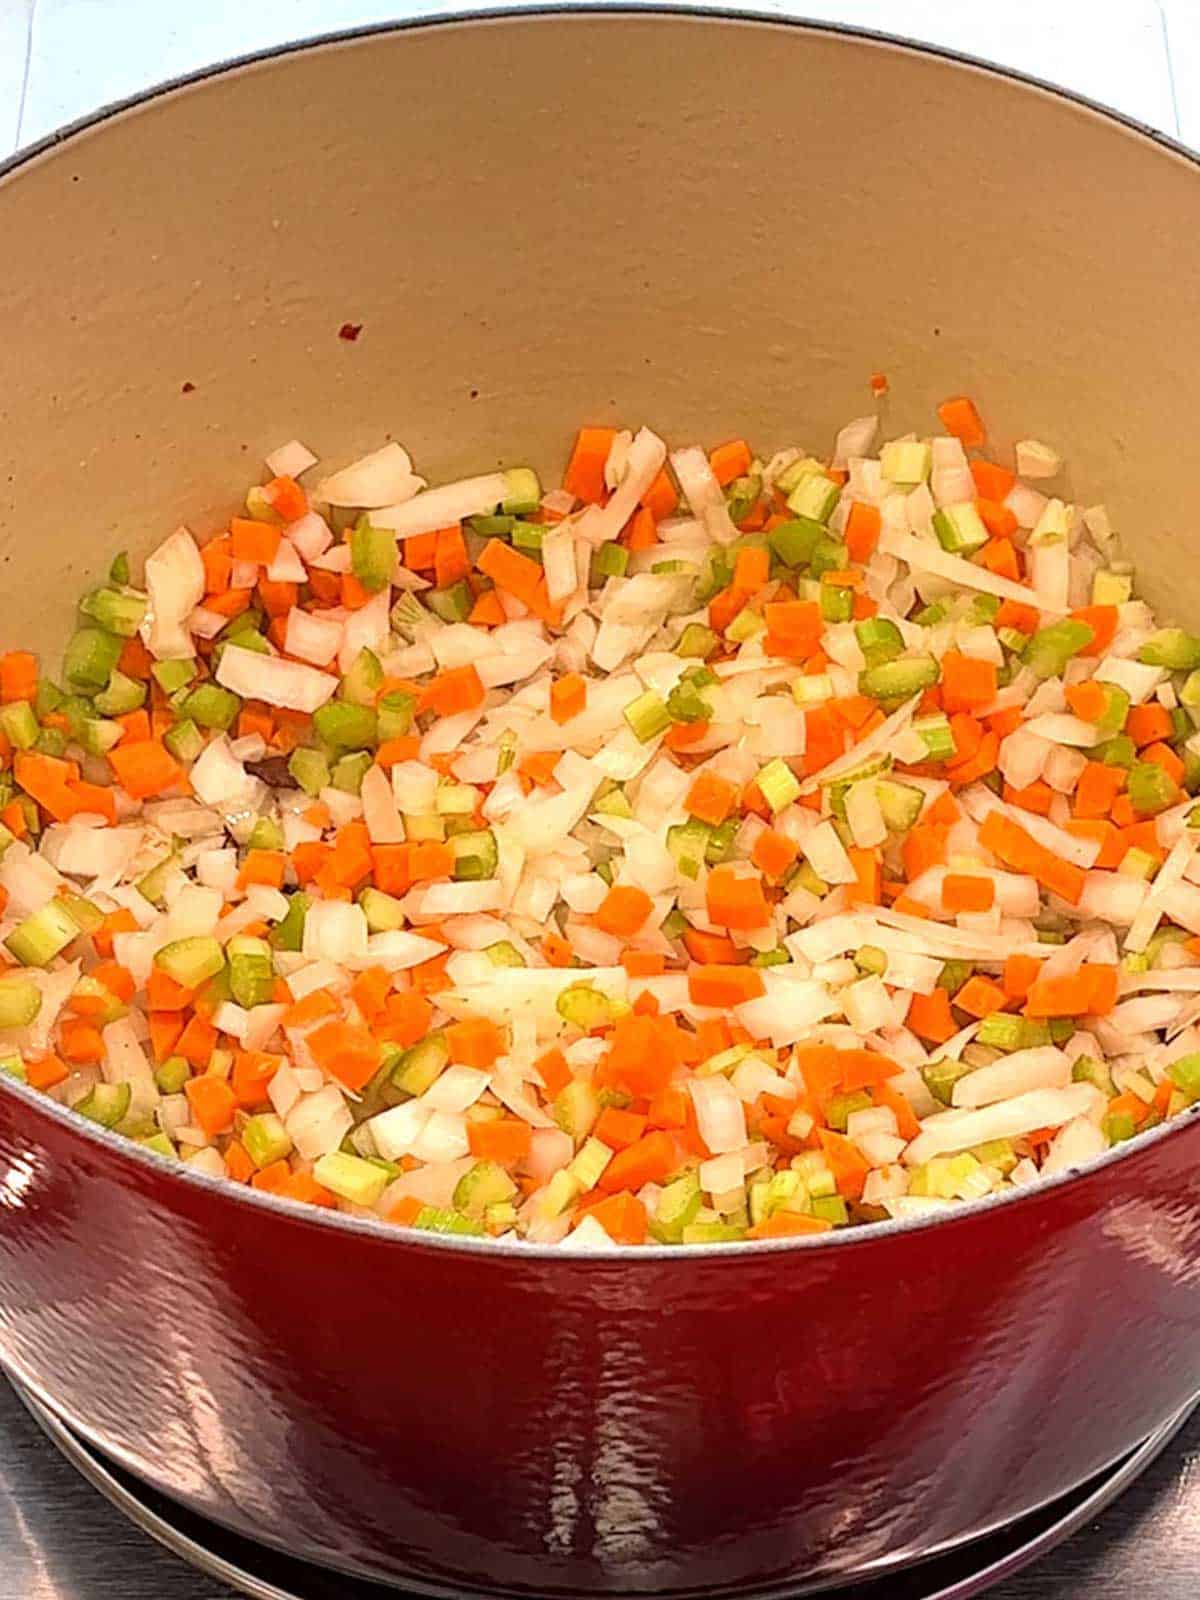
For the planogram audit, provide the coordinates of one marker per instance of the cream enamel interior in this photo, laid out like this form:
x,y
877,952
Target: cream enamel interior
x,y
714,225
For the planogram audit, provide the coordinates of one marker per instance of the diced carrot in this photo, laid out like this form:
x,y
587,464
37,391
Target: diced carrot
x,y
46,1073
979,997
475,1042
487,612
272,1179
252,1073
924,847
730,461
734,901
80,1041
238,1164
993,482
1037,797
960,418
568,697
1014,614
430,859
554,1070
406,1018
1097,789
506,1140
18,676
724,986
944,812
451,562
660,499
967,892
1092,989
584,477
907,1125
643,963
197,1042
1102,620
651,1159
144,769
711,798
619,1129
929,1017
845,1160
788,1225
165,1028
1087,700
621,1215
751,569
287,498
710,947
557,950
999,556
454,690
996,518
1020,974
866,888
623,911
1106,835
862,530
774,852
254,541
212,1102
641,531
370,991
263,867
346,1051
1163,757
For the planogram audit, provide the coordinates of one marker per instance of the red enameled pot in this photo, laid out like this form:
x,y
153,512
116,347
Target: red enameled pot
x,y
718,225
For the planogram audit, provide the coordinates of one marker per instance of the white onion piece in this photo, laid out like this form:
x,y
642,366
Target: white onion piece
x,y
383,478
447,504
175,585
272,679
290,460
311,637
703,493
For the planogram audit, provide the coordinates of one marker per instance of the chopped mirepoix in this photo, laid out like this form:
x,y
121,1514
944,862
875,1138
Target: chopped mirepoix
x,y
710,848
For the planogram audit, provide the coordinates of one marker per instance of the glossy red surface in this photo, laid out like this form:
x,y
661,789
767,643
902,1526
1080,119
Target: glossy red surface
x,y
530,1422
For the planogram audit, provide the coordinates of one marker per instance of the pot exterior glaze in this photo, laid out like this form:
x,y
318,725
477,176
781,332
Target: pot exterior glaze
x,y
539,221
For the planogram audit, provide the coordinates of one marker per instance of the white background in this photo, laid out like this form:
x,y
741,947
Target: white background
x,y
62,58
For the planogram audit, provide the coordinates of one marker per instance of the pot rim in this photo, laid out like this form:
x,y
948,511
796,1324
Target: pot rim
x,y
318,1217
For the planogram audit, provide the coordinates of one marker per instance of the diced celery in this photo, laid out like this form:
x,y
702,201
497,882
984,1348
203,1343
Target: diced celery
x,y
879,639
678,1204
828,556
647,716
51,742
105,1103
504,954
523,492
409,617
116,610
383,912
779,784
742,495
455,799
1184,1073
243,628
486,1184
688,843
899,803
713,1233
266,834
929,616
831,1208
441,1219
89,659
794,542
897,680
350,1177
421,1064
837,604
1116,752
1087,1069
685,703
266,1139
372,554
1052,647
452,604
611,560
259,506
173,675
497,527
122,695
997,1153
20,1002
309,769
840,1107
1116,709
770,958
1052,526
344,726
584,1007
251,971
905,461
576,1108
814,496
86,915
184,741
394,714
40,937
791,475
18,724
1150,789
475,855
191,961
211,706
936,735
941,1076
721,838
1117,1127
959,528
696,640
364,680
615,803
99,736
527,537
1002,1031
589,1164
1172,648
172,1074
349,771
984,610
953,975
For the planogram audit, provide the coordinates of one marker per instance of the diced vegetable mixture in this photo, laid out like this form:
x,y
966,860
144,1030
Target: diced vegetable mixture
x,y
710,848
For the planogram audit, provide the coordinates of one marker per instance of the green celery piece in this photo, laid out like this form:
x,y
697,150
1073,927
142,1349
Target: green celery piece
x,y
115,610
475,855
504,954
349,771
343,725
106,1103
265,1139
172,1074
898,680
678,1205
584,1007
40,937
719,847
89,659
959,528
211,706
421,1064
1150,789
814,497
794,542
1052,647
49,697
527,537
953,975
1172,648
309,769
779,784
350,1177
453,604
647,716
394,714
19,725
685,703
837,604
443,1219
523,493
173,675
20,1002
937,736
741,497
251,971
372,554
829,556
184,741
879,640
839,1108
1119,751
362,683
491,527
118,570
383,912
288,932
121,696
611,560
191,961
941,1076
485,1184
1184,1073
